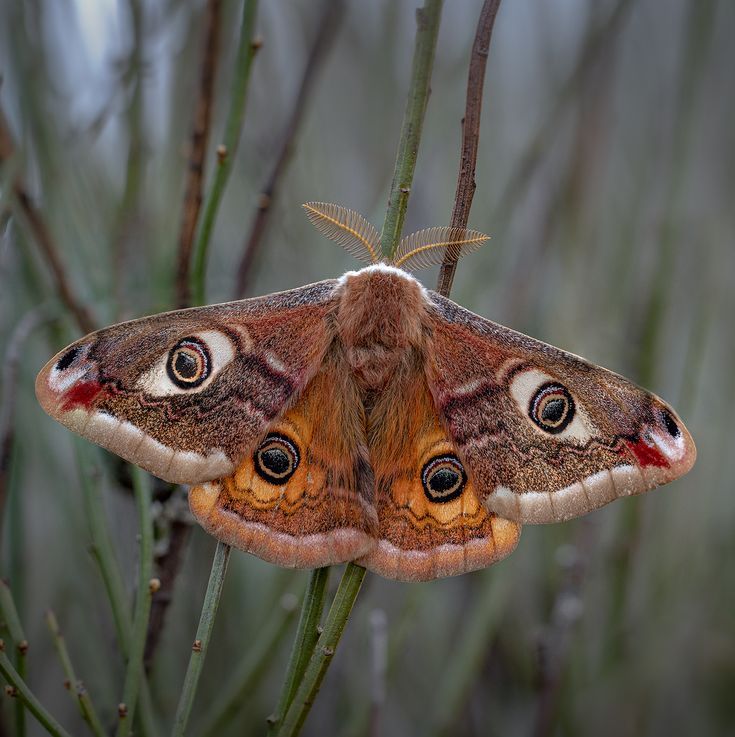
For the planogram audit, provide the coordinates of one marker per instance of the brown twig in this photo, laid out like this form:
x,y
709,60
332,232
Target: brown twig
x,y
42,236
470,133
329,22
167,569
198,149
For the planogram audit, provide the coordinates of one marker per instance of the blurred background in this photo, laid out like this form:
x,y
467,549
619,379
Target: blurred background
x,y
605,176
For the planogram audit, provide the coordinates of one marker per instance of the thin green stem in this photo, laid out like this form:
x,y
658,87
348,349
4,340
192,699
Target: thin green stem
x,y
102,549
226,152
334,626
10,615
14,525
134,673
427,22
201,642
20,711
11,675
15,535
76,688
254,663
111,576
307,634
17,635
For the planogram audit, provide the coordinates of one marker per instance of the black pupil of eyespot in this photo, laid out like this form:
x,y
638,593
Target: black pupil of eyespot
x,y
275,460
553,410
67,359
186,365
671,426
443,480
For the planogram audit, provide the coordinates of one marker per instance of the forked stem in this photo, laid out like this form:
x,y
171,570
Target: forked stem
x,y
307,634
21,691
326,645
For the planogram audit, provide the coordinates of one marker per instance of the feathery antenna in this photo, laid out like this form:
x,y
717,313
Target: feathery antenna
x,y
433,246
423,248
346,227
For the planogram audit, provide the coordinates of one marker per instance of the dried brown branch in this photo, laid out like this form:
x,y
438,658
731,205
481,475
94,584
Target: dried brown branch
x,y
198,149
470,133
167,569
330,18
42,235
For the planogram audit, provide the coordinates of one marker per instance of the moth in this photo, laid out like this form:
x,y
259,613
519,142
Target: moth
x,y
365,418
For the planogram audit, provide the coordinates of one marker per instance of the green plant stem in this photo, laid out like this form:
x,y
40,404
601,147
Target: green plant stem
x,y
112,578
204,632
12,676
15,532
226,156
427,22
10,615
76,688
13,522
307,634
17,635
254,663
321,657
102,549
134,672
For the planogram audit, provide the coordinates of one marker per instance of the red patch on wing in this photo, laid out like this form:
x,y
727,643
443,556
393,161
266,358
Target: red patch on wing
x,y
81,395
647,455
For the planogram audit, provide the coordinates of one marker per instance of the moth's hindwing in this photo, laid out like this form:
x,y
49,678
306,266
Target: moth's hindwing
x,y
303,497
431,520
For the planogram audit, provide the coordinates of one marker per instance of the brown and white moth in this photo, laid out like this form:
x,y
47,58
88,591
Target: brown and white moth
x,y
365,418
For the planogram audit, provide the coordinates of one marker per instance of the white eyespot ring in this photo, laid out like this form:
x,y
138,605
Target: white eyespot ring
x,y
189,365
550,407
